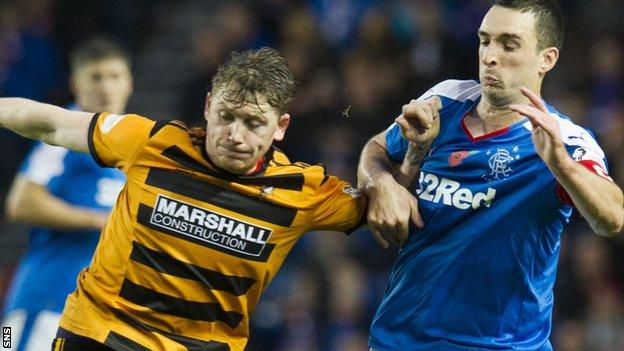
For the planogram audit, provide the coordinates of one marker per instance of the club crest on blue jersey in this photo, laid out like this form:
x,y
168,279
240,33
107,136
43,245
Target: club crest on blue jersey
x,y
500,163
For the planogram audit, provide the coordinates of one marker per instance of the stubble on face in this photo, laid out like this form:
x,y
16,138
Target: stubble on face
x,y
239,136
508,55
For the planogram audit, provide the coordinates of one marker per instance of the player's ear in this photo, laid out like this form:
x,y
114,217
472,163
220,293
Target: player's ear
x,y
207,106
549,59
282,125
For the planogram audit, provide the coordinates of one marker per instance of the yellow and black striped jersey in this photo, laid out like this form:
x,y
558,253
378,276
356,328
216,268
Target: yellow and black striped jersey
x,y
188,249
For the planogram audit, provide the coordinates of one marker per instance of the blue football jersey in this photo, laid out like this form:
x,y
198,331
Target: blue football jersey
x,y
480,274
48,271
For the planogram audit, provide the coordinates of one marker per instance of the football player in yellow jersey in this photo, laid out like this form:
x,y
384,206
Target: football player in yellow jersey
x,y
205,220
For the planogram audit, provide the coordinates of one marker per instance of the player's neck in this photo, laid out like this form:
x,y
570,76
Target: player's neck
x,y
487,118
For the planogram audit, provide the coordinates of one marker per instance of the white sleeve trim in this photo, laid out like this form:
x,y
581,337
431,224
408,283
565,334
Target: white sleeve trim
x,y
44,163
574,135
458,90
391,126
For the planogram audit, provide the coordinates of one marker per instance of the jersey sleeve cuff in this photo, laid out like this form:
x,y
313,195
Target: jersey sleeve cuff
x,y
92,150
594,167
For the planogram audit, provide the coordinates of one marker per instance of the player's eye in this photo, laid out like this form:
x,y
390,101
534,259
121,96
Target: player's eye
x,y
253,123
509,48
485,42
226,117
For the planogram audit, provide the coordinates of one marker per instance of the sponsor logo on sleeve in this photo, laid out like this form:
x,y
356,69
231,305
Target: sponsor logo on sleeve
x,y
110,122
598,165
578,154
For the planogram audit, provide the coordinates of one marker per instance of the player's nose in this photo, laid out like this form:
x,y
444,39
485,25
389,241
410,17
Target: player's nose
x,y
490,56
236,132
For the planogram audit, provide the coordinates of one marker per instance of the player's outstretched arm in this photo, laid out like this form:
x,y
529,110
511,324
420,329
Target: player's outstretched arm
x,y
49,123
31,203
599,200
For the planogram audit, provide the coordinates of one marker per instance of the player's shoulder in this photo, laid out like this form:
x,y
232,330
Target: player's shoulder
x,y
573,134
167,133
44,162
42,153
311,176
106,122
171,127
455,89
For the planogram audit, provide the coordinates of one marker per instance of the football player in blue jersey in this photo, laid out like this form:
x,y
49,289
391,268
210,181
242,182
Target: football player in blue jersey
x,y
499,171
66,197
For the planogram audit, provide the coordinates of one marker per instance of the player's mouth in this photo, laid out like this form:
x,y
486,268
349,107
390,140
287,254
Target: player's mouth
x,y
489,79
234,153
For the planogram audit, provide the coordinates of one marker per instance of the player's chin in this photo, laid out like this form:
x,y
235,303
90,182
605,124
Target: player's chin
x,y
492,87
494,91
236,166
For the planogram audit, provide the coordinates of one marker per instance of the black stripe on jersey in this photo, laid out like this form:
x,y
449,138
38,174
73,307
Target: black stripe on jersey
x,y
145,213
190,343
92,151
119,342
157,127
176,154
214,280
204,191
325,175
161,123
200,311
283,181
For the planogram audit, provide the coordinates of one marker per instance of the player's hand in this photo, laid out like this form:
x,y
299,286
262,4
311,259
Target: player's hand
x,y
546,134
390,209
419,120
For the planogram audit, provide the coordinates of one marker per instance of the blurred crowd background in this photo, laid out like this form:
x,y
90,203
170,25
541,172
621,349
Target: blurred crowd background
x,y
357,63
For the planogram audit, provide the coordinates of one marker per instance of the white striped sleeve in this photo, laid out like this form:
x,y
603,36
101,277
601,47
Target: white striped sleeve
x,y
44,163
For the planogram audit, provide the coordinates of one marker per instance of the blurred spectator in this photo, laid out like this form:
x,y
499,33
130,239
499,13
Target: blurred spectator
x,y
338,20
29,68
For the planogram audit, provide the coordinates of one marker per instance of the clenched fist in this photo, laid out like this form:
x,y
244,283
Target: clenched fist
x,y
419,121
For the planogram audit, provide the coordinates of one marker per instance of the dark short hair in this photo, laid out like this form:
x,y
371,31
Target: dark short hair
x,y
97,49
263,71
549,19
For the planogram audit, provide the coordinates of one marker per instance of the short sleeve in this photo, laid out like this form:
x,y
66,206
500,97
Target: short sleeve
x,y
114,140
396,145
340,207
43,163
583,148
